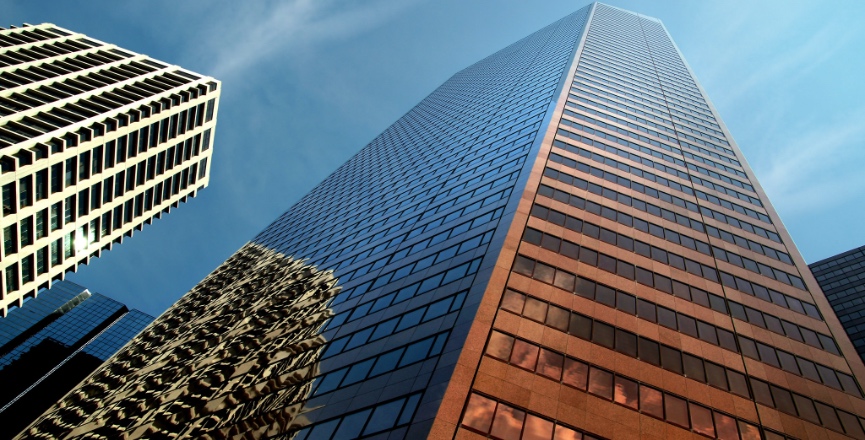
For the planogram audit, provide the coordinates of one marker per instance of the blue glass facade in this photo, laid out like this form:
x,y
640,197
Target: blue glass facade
x,y
412,225
842,278
53,342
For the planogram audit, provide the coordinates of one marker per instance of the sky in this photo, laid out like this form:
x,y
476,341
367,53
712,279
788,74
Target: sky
x,y
308,83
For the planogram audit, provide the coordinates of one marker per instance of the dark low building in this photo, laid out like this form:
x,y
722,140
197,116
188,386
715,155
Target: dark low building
x,y
842,278
54,342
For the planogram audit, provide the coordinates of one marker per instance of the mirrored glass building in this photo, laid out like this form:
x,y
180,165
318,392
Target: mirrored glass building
x,y
48,347
561,241
95,142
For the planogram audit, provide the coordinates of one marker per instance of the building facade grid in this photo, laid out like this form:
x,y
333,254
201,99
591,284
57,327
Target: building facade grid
x,y
96,142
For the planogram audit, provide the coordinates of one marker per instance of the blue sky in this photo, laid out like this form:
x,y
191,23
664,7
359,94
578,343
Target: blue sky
x,y
307,83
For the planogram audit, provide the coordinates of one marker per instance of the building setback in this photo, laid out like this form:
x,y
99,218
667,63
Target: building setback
x,y
842,278
561,241
95,142
49,346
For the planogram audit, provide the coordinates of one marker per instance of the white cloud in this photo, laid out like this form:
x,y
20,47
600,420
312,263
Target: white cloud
x,y
240,38
817,168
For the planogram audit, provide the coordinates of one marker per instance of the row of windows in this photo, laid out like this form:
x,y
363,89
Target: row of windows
x,y
654,193
681,290
594,93
70,172
406,293
414,204
682,263
640,128
839,260
29,35
501,421
632,394
51,49
74,242
610,69
623,64
423,245
59,67
656,229
72,86
380,364
585,79
404,271
373,420
668,358
396,324
51,119
581,95
843,271
647,162
416,231
106,191
610,89
597,172
646,150
685,324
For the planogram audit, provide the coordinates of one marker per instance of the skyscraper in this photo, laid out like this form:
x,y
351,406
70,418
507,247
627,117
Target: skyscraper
x,y
52,344
96,142
842,278
561,241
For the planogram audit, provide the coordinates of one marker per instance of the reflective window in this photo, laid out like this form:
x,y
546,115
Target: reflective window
x,y
550,364
575,374
701,420
626,392
651,402
676,411
479,413
500,345
601,383
524,355
507,423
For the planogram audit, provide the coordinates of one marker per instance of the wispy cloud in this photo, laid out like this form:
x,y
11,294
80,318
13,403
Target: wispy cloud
x,y
817,168
794,63
239,38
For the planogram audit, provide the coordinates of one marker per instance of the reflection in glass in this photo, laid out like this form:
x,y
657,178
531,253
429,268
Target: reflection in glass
x,y
550,364
479,413
676,410
558,318
535,309
575,374
351,425
537,429
525,355
726,427
651,402
601,383
701,420
563,433
626,392
513,301
508,423
500,345
749,431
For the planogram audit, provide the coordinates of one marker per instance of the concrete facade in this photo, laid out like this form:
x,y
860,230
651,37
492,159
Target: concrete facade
x,y
95,142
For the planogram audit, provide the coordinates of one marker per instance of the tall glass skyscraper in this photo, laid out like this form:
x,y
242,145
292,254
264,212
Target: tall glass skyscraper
x,y
562,241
